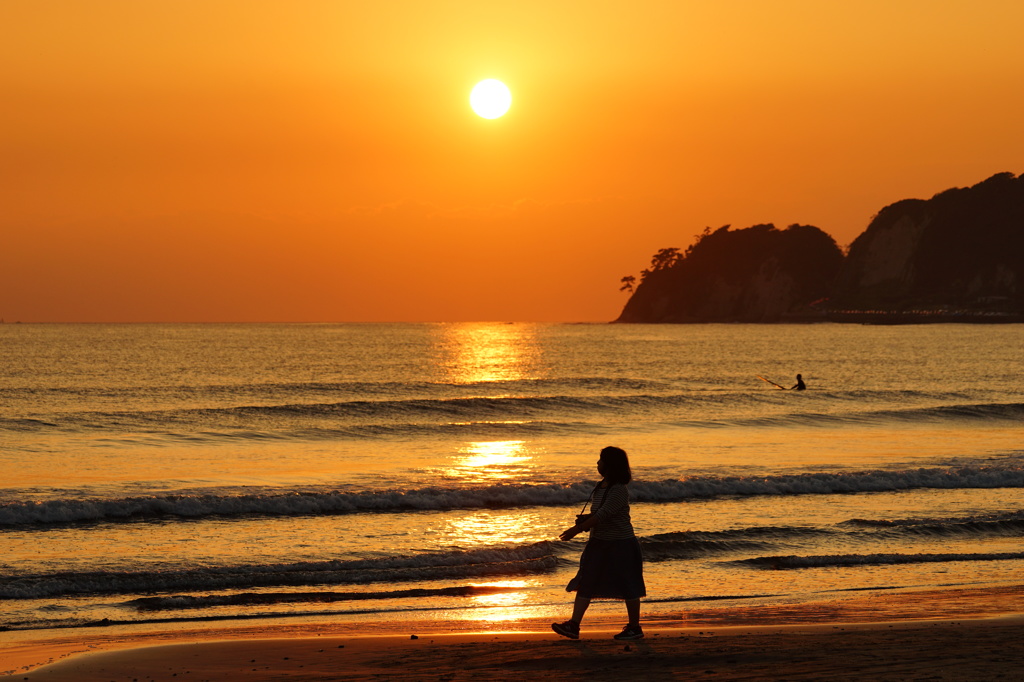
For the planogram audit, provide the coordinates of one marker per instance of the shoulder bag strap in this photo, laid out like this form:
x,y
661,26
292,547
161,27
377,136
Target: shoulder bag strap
x,y
590,499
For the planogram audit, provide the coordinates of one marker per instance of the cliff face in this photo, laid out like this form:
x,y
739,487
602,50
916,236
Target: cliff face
x,y
963,248
960,251
757,274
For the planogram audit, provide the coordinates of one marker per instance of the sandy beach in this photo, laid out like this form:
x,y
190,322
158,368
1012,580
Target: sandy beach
x,y
924,650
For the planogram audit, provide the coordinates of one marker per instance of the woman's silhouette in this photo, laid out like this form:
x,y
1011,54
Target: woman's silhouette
x,y
612,565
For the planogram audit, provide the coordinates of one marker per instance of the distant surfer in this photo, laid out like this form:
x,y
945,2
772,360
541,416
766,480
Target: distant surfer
x,y
800,385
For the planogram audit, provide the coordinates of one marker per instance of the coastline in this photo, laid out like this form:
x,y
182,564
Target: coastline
x,y
939,649
857,317
929,634
890,492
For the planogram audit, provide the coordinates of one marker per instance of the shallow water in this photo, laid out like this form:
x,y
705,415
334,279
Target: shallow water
x,y
184,472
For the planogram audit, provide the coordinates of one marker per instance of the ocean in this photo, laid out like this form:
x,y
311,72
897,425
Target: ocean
x,y
372,476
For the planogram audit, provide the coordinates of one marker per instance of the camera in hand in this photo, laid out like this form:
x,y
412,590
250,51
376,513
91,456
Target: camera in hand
x,y
580,518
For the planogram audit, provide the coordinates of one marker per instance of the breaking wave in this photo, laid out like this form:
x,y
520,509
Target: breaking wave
x,y
522,560
63,511
188,601
1006,524
844,560
376,413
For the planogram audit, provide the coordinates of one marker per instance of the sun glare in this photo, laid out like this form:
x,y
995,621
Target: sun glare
x,y
490,98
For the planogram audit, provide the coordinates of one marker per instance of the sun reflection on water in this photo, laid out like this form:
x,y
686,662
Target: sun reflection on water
x,y
491,462
488,352
516,598
488,528
482,353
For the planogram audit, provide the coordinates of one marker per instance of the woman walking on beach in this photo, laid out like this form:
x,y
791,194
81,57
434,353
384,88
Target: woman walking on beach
x,y
612,565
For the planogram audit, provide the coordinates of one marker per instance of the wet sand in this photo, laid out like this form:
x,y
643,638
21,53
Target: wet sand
x,y
983,649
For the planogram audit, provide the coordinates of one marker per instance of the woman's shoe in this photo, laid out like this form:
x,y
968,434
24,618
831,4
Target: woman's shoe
x,y
568,629
631,632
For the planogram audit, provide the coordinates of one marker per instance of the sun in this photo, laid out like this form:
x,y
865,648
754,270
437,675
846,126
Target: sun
x,y
490,98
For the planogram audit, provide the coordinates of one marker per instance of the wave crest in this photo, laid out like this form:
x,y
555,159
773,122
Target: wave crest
x,y
63,511
841,560
521,560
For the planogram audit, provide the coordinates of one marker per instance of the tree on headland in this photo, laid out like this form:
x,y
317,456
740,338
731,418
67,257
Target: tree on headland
x,y
664,259
755,274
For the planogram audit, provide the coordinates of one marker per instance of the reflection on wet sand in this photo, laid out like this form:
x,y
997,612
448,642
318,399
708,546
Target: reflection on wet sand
x,y
502,606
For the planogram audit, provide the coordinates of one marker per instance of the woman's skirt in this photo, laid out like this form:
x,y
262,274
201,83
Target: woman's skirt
x,y
610,569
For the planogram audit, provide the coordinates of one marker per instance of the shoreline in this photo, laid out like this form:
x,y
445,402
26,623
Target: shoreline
x,y
984,648
758,638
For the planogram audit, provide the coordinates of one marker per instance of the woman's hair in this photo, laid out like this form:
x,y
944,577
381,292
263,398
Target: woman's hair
x,y
616,465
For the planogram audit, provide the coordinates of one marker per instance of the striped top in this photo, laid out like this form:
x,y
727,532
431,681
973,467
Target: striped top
x,y
611,509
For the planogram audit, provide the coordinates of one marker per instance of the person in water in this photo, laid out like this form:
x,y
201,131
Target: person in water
x,y
612,564
800,385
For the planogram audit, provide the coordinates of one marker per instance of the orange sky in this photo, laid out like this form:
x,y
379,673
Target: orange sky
x,y
317,160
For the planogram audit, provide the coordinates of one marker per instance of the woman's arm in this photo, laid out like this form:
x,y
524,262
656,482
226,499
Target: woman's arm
x,y
588,523
616,498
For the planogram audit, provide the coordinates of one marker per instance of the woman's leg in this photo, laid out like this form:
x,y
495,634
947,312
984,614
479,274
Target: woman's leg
x,y
580,605
633,611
